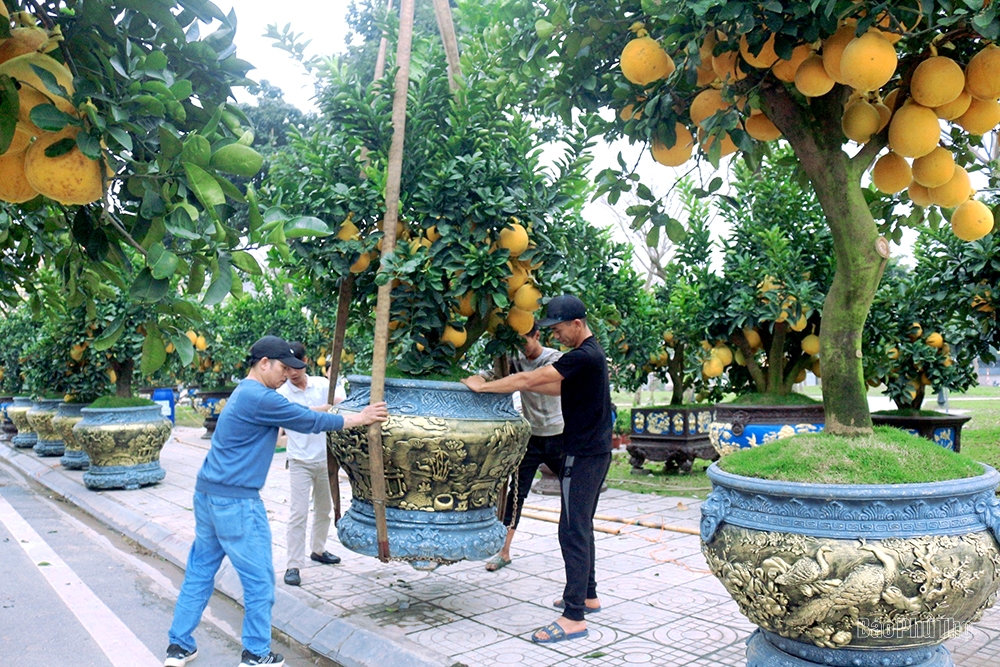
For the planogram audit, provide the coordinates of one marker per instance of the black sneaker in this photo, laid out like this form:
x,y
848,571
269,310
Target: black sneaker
x,y
251,660
292,577
178,657
326,558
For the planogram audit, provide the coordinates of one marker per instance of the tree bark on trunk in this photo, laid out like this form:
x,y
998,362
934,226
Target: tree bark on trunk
x,y
676,369
123,378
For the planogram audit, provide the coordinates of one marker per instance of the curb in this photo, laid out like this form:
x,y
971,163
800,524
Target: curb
x,y
350,642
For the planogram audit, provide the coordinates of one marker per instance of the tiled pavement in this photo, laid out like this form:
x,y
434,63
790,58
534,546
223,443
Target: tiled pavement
x,y
661,605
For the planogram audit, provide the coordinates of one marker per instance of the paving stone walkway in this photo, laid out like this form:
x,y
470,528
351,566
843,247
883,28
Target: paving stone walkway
x,y
661,605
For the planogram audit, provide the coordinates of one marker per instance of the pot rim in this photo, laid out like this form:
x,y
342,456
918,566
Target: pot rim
x,y
135,408
406,383
861,492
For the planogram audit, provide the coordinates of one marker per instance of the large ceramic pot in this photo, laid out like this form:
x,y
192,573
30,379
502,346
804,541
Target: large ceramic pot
x,y
123,445
674,435
49,442
737,426
854,575
945,430
67,416
446,450
209,405
7,428
18,413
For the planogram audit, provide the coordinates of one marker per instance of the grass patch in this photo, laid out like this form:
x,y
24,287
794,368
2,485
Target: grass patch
x,y
119,402
982,444
774,399
691,485
889,456
185,415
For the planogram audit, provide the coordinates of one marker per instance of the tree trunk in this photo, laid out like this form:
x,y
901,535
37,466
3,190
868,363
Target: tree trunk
x,y
123,378
676,368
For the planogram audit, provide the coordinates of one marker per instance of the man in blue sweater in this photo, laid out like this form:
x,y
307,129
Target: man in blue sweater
x,y
229,515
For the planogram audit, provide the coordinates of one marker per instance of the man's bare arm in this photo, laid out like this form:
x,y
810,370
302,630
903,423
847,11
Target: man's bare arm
x,y
539,380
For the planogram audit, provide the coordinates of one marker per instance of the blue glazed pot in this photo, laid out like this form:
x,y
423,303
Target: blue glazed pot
x,y
67,416
7,428
209,404
942,429
854,575
446,452
740,426
49,442
18,413
123,445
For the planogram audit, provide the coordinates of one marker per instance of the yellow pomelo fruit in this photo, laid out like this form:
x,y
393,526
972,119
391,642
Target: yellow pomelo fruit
x,y
668,337
861,120
20,69
727,66
800,324
785,70
801,377
936,81
723,354
467,304
935,340
972,220
868,62
527,298
191,336
20,141
810,345
705,49
891,173
713,367
982,74
705,104
706,75
934,169
728,146
812,79
348,230
433,234
817,369
679,153
914,131
520,320
884,115
957,190
71,178
753,338
739,358
201,344
454,336
981,116
765,59
920,195
21,41
761,128
362,263
628,112
644,61
14,186
514,237
955,108
890,99
29,98
833,51
518,277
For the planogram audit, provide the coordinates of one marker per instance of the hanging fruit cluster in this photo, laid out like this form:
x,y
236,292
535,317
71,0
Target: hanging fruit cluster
x,y
911,102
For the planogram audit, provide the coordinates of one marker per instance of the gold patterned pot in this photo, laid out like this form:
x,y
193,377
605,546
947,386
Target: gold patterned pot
x,y
7,428
123,445
67,416
40,416
18,413
854,575
446,452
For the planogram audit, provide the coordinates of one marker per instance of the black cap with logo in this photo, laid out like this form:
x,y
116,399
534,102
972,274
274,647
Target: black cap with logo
x,y
563,309
273,347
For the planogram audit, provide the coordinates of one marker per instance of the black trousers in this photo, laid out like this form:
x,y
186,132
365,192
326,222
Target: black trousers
x,y
545,449
582,478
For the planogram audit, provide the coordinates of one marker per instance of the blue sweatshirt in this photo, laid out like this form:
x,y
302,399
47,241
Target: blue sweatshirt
x,y
244,439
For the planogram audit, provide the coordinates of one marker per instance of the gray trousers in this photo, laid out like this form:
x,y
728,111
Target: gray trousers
x,y
307,479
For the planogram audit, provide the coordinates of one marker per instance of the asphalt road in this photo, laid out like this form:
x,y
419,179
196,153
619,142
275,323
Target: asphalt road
x,y
75,594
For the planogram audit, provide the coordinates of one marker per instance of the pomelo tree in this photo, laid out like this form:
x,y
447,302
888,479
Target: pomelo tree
x,y
715,77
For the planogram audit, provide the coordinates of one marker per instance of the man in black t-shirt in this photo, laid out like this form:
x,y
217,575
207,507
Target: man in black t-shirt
x,y
580,378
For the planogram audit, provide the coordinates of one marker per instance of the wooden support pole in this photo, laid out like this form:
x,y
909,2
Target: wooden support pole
x,y
446,26
336,348
383,46
394,174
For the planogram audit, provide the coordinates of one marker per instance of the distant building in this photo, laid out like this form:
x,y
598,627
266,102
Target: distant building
x,y
989,374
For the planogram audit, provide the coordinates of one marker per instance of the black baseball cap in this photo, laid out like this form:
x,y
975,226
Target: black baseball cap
x,y
273,347
563,309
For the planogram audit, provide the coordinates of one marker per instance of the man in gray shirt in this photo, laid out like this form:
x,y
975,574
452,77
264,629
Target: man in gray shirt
x,y
544,413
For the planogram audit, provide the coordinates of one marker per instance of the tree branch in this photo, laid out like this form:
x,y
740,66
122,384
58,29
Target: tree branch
x,y
753,368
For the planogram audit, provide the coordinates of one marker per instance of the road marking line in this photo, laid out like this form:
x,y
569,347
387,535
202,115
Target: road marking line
x,y
119,644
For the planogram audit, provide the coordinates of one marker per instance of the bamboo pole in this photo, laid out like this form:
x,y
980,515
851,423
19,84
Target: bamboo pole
x,y
613,519
394,175
446,26
383,46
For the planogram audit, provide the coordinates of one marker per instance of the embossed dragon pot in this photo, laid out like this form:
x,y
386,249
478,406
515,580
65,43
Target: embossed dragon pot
x,y
446,452
854,575
67,416
738,426
18,414
123,445
48,442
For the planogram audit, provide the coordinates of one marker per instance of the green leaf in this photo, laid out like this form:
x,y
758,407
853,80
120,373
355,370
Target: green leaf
x,y
9,106
197,150
244,261
170,145
182,90
238,160
653,237
305,225
154,352
543,29
161,262
147,289
205,187
253,212
48,117
49,81
221,284
122,137
110,336
185,350
156,60
675,230
61,147
89,145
